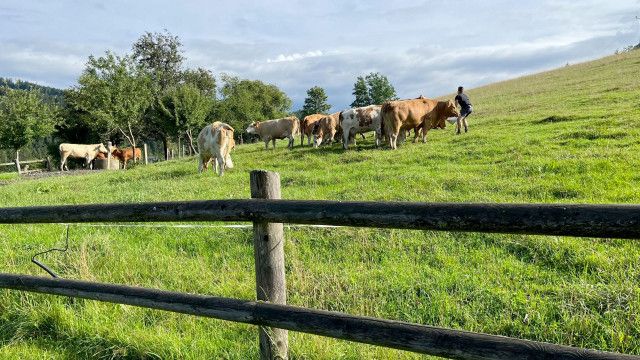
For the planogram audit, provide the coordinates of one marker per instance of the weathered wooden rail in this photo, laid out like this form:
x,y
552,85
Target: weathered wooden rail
x,y
19,163
270,312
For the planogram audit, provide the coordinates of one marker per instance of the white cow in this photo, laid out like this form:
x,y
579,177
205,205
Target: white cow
x,y
358,121
82,151
215,142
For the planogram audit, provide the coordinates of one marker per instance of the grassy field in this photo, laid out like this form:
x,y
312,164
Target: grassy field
x,y
564,136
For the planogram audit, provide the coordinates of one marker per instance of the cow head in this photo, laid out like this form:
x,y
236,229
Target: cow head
x,y
317,133
253,128
103,149
446,109
451,109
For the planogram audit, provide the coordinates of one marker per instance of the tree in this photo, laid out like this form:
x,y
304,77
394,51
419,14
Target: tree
x,y
315,102
115,93
160,55
380,89
361,93
188,107
202,79
24,117
244,101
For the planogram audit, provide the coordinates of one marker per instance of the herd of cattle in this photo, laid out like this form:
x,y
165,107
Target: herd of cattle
x,y
390,121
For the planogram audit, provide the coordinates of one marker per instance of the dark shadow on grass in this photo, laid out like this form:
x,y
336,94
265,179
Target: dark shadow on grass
x,y
592,135
559,118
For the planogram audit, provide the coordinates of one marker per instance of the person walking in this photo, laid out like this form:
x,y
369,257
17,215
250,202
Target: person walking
x,y
466,109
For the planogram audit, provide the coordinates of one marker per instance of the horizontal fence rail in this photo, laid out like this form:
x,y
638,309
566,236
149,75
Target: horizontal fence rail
x,y
599,221
454,344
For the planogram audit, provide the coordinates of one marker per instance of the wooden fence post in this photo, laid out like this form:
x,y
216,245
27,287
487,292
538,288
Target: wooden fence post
x,y
146,153
48,163
109,146
17,161
268,249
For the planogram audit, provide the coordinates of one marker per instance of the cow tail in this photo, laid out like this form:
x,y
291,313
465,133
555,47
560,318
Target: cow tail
x,y
382,133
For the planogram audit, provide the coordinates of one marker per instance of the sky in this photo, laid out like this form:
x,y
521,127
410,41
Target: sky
x,y
424,48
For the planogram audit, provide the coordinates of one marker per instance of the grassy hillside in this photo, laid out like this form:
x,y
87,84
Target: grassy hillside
x,y
569,135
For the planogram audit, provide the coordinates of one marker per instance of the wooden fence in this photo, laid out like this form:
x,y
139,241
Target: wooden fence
x,y
19,164
270,312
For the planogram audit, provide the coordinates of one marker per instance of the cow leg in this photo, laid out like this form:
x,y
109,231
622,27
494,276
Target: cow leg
x,y
393,138
87,163
345,138
266,144
63,162
273,141
200,165
220,164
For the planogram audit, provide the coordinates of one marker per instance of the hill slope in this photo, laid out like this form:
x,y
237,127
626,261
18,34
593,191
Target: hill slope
x,y
568,135
54,94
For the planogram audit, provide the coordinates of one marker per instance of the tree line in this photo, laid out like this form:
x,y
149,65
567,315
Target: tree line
x,y
149,95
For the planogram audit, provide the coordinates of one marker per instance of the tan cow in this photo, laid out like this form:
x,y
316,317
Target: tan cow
x,y
81,151
401,115
358,121
326,129
306,127
215,142
270,130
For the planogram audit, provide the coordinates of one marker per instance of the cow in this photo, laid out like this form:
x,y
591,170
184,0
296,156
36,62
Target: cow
x,y
270,130
81,151
401,115
126,154
215,142
358,121
306,127
326,129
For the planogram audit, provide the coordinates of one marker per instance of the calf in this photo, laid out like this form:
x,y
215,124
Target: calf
x,y
270,130
126,154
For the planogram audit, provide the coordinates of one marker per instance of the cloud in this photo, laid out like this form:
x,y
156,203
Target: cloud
x,y
295,56
422,47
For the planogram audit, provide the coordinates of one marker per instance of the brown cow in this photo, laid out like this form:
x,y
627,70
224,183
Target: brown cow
x,y
326,129
126,154
306,127
270,130
401,115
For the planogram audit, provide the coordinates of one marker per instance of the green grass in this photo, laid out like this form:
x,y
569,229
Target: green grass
x,y
565,136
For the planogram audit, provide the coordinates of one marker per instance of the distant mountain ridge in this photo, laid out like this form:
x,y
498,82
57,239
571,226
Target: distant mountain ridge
x,y
49,92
